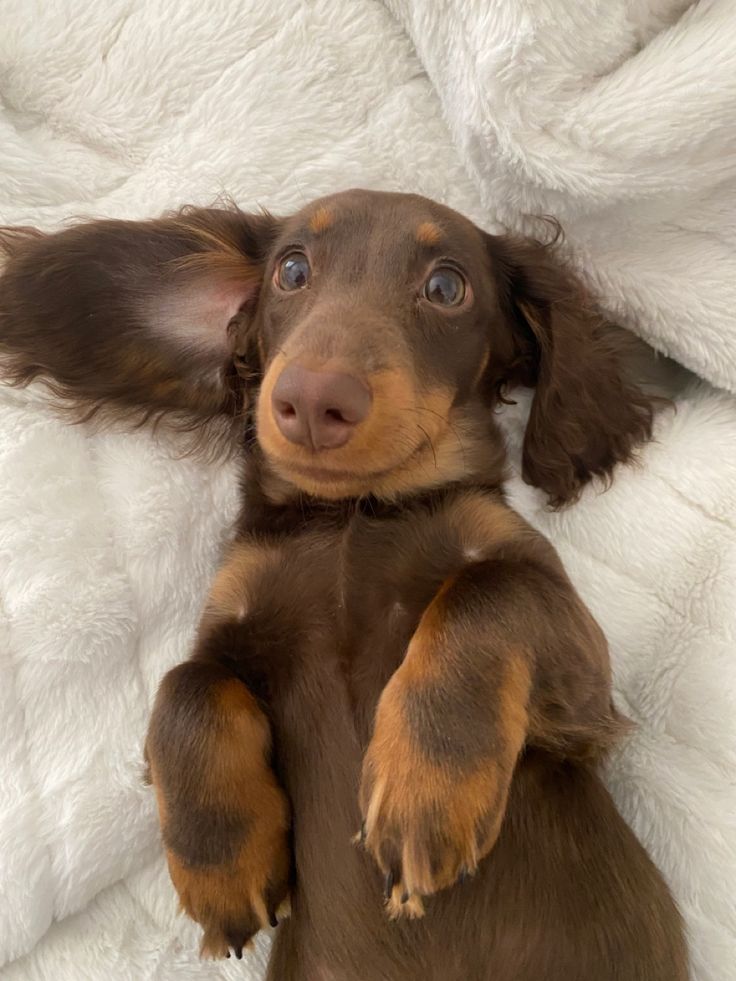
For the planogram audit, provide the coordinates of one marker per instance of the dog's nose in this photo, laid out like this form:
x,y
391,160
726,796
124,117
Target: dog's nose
x,y
318,408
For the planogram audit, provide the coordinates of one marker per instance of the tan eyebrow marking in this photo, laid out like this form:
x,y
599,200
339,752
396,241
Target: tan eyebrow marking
x,y
428,233
321,220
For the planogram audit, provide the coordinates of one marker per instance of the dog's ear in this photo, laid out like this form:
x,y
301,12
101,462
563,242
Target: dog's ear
x,y
586,416
141,319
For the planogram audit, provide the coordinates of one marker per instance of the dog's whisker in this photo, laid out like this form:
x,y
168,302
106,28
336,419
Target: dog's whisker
x,y
431,444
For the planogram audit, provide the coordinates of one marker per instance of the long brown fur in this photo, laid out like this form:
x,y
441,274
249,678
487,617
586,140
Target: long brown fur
x,y
397,704
573,350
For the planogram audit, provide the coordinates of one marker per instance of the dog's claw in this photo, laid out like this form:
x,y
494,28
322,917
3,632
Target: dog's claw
x,y
272,919
389,885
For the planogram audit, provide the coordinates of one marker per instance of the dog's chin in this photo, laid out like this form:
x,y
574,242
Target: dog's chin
x,y
330,483
322,478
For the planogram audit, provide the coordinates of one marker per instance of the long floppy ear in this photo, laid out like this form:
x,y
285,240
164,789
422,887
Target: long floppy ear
x,y
136,318
586,416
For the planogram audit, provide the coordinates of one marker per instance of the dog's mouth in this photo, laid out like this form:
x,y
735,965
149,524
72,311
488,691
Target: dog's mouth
x,y
312,476
415,465
318,479
368,445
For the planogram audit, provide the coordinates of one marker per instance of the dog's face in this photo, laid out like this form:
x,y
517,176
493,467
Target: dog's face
x,y
371,333
377,317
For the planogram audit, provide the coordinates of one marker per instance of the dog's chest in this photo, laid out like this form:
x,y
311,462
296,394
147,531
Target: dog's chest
x,y
354,592
386,574
363,588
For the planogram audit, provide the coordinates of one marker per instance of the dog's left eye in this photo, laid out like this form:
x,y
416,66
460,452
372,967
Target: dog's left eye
x,y
445,287
293,271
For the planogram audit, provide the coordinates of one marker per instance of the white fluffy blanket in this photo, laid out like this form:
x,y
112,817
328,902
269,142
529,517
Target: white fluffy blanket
x,y
615,115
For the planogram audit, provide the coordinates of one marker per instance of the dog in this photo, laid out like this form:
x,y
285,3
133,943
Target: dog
x,y
397,704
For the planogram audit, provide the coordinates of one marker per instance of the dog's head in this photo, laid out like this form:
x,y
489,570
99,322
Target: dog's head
x,y
386,329
374,327
373,334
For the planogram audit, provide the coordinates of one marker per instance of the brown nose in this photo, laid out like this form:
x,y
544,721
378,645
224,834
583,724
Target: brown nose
x,y
318,408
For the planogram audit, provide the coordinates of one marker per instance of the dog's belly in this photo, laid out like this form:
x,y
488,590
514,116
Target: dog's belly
x,y
550,903
567,894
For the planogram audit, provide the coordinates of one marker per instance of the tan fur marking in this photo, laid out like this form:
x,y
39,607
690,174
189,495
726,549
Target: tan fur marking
x,y
403,788
513,698
245,738
321,220
483,525
241,782
229,593
224,894
422,663
412,909
411,787
428,233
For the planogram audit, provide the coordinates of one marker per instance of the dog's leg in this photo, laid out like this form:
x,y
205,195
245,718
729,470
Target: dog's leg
x,y
505,653
224,817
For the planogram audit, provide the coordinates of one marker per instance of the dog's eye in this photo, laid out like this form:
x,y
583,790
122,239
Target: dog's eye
x,y
293,272
446,287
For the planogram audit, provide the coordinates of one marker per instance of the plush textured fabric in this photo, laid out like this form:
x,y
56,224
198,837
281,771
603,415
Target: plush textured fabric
x,y
618,122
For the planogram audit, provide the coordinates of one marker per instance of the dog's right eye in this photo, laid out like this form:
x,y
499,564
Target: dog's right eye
x,y
445,287
293,271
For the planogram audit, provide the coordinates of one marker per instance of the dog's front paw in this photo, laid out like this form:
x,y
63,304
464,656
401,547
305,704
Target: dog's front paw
x,y
235,891
428,817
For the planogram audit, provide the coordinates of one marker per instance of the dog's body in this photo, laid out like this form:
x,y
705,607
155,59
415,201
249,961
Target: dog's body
x,y
388,649
566,894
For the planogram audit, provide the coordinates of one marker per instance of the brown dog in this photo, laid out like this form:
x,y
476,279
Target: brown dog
x,y
388,646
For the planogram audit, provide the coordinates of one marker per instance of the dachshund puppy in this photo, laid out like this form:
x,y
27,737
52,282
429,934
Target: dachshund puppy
x,y
396,705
